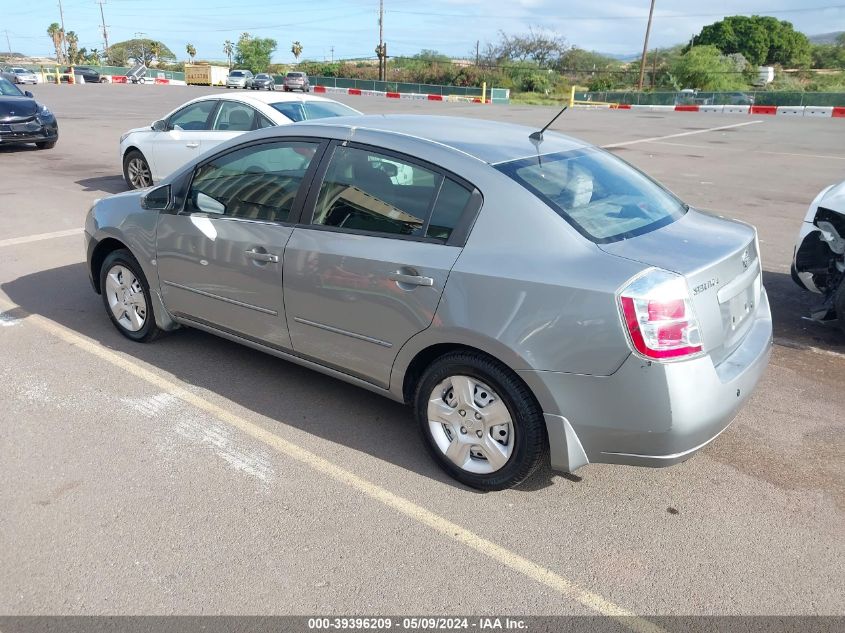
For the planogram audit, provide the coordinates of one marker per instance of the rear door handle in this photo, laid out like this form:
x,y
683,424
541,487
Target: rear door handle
x,y
412,280
262,256
192,145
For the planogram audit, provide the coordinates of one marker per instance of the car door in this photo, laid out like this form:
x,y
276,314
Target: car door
x,y
367,272
220,258
181,140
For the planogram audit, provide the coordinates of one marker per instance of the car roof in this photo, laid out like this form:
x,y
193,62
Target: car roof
x,y
257,97
490,141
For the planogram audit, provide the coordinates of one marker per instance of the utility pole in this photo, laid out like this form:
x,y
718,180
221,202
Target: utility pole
x,y
381,60
140,35
9,44
645,48
64,41
105,32
332,51
476,52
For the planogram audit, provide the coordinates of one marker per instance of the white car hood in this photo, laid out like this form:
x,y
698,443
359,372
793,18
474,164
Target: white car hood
x,y
833,198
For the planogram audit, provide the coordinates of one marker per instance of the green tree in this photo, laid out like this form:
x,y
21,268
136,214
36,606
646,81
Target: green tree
x,y
228,51
760,39
139,50
254,53
296,49
192,51
57,35
705,68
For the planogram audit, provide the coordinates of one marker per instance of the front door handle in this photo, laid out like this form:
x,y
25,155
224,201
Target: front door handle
x,y
260,256
412,280
192,145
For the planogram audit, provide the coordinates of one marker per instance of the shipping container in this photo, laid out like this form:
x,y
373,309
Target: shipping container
x,y
205,75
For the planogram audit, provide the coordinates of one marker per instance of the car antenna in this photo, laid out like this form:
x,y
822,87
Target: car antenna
x,y
538,136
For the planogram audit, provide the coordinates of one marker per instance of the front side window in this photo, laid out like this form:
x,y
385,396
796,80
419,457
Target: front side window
x,y
255,183
603,197
234,117
193,117
367,191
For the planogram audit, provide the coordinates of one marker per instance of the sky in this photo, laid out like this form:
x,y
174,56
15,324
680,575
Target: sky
x,y
342,29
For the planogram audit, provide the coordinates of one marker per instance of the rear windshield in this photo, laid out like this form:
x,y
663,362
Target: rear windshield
x,y
301,110
296,75
603,197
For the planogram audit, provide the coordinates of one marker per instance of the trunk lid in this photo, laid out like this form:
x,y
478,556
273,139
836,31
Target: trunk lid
x,y
719,259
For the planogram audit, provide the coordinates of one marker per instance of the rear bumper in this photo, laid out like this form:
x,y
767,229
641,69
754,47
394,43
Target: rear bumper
x,y
650,414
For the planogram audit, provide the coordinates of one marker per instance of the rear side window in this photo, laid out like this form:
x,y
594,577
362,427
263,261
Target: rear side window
x,y
603,197
291,109
234,117
367,191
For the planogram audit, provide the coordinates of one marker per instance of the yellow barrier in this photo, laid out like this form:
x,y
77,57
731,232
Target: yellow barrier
x,y
598,104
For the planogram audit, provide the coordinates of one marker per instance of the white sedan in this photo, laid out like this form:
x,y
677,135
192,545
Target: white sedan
x,y
151,153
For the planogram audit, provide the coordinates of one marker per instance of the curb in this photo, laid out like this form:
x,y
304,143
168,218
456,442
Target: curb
x,y
768,110
422,96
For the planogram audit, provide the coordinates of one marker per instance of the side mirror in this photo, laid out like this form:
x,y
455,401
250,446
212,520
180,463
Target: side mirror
x,y
207,204
28,94
159,126
157,199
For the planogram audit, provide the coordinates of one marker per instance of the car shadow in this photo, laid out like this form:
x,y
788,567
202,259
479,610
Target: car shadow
x,y
18,147
106,184
791,306
278,390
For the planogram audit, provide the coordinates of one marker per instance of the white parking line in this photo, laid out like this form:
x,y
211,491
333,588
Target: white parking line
x,y
679,134
441,525
722,149
26,239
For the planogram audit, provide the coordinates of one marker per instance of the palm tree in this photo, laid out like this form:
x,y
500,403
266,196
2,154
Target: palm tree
x,y
296,49
192,51
72,47
155,50
229,50
58,36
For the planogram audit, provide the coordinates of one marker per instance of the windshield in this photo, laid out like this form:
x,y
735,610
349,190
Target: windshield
x,y
8,89
262,76
603,197
301,110
236,73
19,71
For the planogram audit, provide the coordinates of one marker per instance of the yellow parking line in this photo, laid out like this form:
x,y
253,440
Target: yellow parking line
x,y
26,239
406,507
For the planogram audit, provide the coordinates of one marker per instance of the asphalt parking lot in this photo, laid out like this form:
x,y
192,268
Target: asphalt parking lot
x,y
196,476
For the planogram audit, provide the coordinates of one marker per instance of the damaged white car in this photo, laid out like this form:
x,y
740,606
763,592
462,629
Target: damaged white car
x,y
818,264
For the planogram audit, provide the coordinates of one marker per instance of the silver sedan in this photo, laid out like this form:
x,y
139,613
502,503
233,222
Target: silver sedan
x,y
525,293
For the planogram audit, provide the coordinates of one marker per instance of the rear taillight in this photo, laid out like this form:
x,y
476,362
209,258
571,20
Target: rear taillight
x,y
657,313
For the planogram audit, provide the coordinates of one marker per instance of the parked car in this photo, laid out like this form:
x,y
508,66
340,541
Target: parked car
x,y
24,120
18,75
818,264
90,75
150,153
296,81
239,79
522,295
263,81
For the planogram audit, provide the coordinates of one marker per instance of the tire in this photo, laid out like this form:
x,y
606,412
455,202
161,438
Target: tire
x,y
839,304
136,170
512,440
46,145
123,286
